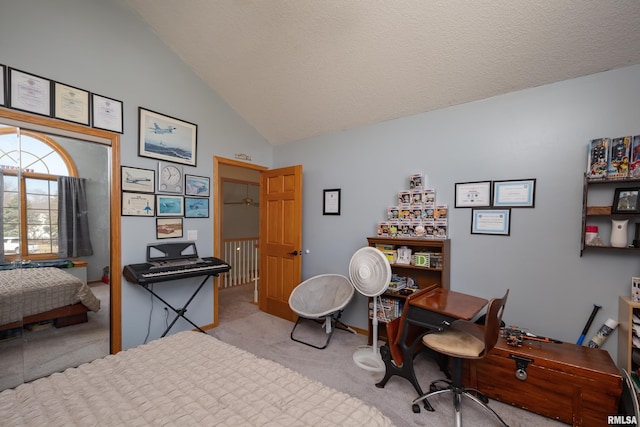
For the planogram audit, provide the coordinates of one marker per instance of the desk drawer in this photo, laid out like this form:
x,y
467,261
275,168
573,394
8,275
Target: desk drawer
x,y
574,384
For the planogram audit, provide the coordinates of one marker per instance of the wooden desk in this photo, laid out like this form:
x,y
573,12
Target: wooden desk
x,y
425,311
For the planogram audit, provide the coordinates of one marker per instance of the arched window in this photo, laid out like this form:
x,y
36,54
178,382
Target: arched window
x,y
31,163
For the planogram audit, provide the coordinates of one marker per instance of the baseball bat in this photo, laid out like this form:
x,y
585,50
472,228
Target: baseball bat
x,y
596,307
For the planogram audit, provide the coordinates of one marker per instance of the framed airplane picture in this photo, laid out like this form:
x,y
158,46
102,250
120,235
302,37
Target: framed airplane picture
x,y
166,138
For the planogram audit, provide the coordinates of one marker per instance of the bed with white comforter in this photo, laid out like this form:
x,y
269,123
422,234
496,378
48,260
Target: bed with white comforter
x,y
185,379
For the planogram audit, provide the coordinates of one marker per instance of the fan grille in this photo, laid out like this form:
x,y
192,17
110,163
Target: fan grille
x,y
370,271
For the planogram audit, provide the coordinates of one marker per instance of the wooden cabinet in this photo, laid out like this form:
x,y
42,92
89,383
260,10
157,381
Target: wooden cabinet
x,y
626,347
597,201
436,273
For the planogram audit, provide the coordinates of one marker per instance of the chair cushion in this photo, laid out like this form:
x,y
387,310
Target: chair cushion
x,y
321,295
454,343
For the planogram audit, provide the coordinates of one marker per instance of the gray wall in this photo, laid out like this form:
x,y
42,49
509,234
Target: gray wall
x,y
104,47
538,133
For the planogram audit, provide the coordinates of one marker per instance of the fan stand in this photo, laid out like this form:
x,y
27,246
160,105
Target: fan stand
x,y
368,357
370,274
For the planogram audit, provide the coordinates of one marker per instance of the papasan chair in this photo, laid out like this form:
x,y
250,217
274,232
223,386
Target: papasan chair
x,y
321,299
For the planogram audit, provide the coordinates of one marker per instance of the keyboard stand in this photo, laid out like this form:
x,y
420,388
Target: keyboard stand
x,y
180,311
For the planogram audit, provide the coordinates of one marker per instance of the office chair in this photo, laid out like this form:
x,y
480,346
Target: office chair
x,y
465,340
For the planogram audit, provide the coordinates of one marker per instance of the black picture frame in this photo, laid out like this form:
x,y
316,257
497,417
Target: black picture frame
x,y
166,138
626,200
473,194
71,103
29,92
196,207
3,85
107,113
138,179
198,186
331,202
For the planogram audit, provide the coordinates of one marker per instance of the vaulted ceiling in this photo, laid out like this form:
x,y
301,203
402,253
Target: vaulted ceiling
x,y
295,69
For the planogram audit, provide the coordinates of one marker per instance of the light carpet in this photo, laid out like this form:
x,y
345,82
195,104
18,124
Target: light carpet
x,y
242,324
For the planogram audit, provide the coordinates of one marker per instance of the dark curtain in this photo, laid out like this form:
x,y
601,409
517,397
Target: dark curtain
x,y
1,216
73,218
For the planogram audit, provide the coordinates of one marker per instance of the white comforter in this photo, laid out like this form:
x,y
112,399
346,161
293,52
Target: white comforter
x,y
28,291
186,379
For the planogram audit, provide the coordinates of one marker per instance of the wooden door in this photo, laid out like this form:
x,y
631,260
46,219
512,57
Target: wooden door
x,y
280,238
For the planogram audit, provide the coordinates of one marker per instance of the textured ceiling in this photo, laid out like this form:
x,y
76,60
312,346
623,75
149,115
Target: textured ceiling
x,y
294,69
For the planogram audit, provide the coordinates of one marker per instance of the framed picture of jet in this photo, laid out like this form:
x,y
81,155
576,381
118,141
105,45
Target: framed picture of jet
x,y
136,179
169,205
166,138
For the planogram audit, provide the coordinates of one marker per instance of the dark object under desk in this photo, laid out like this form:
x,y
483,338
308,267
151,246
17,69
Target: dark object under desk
x,y
424,312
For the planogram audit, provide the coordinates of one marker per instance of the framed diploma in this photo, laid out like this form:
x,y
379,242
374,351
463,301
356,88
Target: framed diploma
x,y
331,202
138,204
3,85
106,113
519,193
28,92
71,104
491,221
473,194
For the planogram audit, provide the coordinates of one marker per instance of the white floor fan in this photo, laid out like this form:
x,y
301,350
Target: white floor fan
x,y
370,274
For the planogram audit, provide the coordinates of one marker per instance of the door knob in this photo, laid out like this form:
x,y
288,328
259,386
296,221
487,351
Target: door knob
x,y
293,253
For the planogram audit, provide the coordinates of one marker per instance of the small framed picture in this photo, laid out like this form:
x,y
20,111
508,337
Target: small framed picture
x,y
331,202
166,138
71,104
491,221
625,200
168,228
28,92
196,207
107,113
138,204
196,186
473,194
515,193
137,179
169,205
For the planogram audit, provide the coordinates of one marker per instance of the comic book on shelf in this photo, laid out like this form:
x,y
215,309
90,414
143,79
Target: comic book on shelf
x,y
598,158
619,155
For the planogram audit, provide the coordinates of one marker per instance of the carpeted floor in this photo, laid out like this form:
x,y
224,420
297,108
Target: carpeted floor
x,y
242,324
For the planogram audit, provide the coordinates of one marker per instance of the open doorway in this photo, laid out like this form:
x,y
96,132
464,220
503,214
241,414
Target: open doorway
x,y
236,227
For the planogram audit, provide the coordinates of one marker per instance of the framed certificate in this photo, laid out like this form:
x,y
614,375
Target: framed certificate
x,y
331,202
473,194
519,193
28,92
138,204
71,104
491,221
106,113
3,85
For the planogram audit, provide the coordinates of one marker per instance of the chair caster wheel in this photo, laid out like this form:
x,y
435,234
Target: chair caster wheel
x,y
415,408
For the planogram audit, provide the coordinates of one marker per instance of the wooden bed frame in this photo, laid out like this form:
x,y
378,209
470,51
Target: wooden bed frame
x,y
62,316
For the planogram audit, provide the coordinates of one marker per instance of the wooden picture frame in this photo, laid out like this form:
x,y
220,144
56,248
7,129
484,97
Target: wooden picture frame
x,y
626,200
169,228
166,138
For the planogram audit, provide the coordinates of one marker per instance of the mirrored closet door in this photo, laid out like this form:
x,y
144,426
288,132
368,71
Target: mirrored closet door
x,y
56,291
